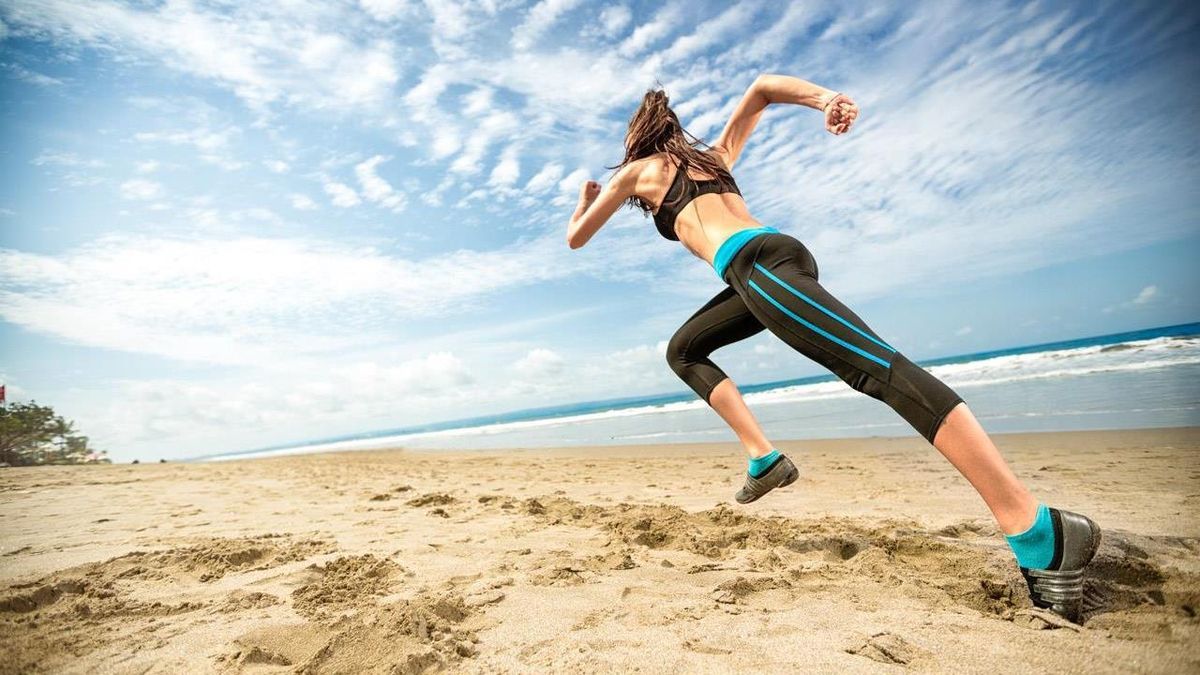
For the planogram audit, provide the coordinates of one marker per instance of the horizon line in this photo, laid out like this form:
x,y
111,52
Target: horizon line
x,y
531,413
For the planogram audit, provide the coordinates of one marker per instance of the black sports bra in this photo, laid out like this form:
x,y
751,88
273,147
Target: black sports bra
x,y
664,219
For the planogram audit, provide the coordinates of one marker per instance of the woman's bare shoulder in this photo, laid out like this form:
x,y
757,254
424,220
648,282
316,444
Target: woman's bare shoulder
x,y
656,161
651,167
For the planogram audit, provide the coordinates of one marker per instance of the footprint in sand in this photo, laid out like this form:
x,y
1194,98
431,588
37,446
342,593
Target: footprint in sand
x,y
887,648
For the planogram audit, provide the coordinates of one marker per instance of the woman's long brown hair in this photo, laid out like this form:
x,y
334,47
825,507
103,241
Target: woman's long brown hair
x,y
655,128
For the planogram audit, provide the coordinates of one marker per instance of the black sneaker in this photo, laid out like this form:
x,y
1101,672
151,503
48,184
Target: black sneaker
x,y
1059,587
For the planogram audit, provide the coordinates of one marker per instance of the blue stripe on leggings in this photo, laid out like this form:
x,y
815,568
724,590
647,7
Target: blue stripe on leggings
x,y
835,338
814,303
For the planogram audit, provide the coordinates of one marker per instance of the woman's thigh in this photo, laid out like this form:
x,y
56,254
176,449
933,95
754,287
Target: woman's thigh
x,y
779,285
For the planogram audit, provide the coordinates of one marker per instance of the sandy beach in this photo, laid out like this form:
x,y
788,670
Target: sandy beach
x,y
614,559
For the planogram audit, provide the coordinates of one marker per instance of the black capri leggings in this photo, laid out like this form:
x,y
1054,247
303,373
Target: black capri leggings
x,y
773,284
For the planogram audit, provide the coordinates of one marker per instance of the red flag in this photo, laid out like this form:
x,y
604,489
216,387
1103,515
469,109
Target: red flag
x,y
1,394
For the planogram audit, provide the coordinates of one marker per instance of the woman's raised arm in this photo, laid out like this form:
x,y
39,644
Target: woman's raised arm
x,y
839,109
767,89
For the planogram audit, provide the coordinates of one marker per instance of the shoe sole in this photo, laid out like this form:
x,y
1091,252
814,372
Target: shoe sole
x,y
1061,591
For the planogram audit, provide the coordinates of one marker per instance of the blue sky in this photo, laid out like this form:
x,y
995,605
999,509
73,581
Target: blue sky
x,y
230,225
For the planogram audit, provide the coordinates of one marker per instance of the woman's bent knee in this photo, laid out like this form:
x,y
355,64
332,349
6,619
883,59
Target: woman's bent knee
x,y
696,370
920,398
677,356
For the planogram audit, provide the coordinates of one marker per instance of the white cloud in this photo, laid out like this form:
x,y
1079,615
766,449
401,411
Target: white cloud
x,y
614,19
32,77
570,83
276,165
479,101
868,20
1146,295
507,170
251,300
539,363
148,166
140,189
434,197
450,18
651,31
497,126
571,183
386,10
793,23
539,18
213,146
265,52
302,202
712,31
965,330
447,139
68,159
639,368
342,195
550,174
150,410
432,84
375,188
70,168
256,214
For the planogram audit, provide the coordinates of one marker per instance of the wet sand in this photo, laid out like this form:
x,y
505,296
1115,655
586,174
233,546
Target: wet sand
x,y
593,559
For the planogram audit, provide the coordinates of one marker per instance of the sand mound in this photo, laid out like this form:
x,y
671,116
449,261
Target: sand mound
x,y
568,568
431,499
125,595
1139,586
412,636
278,645
345,583
963,565
213,558
240,601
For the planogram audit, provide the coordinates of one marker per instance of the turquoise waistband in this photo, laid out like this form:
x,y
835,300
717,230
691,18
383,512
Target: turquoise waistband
x,y
733,244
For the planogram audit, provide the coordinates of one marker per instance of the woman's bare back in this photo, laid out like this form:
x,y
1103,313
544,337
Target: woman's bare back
x,y
705,222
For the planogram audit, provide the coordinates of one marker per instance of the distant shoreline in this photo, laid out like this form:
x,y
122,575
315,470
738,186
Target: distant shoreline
x,y
1113,345
685,449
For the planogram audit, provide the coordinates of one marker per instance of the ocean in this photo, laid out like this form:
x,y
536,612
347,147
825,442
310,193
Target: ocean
x,y
1137,379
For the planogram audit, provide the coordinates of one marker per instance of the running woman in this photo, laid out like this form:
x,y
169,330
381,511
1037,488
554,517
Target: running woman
x,y
771,282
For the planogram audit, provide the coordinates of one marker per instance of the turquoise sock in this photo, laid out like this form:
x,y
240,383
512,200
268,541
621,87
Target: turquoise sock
x,y
1034,547
758,465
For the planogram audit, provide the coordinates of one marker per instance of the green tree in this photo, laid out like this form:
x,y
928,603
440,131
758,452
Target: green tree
x,y
24,429
34,434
